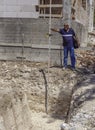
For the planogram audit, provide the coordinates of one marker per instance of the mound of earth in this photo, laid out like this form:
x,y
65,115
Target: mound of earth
x,y
33,97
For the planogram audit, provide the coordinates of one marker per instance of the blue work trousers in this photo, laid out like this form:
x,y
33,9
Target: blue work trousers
x,y
72,56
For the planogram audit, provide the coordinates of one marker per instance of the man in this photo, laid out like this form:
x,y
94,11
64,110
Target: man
x,y
68,35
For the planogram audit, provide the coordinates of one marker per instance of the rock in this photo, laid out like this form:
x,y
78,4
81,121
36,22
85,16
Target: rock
x,y
64,126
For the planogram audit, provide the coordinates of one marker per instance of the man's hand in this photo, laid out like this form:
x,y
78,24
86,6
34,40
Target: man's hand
x,y
55,30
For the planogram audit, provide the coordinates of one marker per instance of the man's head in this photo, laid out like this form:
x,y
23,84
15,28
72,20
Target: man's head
x,y
66,26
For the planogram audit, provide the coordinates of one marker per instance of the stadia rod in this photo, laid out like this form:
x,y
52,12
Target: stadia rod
x,y
49,51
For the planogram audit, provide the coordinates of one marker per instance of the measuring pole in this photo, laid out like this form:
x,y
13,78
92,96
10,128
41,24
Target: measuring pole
x,y
49,36
49,51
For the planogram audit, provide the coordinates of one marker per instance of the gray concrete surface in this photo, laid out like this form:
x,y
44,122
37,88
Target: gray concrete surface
x,y
29,38
34,53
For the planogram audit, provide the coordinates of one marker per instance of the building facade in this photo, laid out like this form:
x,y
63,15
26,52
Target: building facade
x,y
24,24
18,8
79,10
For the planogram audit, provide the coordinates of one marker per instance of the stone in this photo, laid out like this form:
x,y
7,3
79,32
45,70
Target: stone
x,y
64,126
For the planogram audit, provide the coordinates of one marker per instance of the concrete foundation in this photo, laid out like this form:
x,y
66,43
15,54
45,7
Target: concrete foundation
x,y
31,54
29,39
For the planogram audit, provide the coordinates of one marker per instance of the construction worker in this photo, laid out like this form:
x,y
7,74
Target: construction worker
x,y
68,35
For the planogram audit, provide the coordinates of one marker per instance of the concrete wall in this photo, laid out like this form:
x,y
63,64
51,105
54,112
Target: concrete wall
x,y
91,15
28,31
28,38
31,54
81,32
18,8
81,14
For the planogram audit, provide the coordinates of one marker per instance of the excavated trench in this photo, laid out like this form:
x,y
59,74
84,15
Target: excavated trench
x,y
27,87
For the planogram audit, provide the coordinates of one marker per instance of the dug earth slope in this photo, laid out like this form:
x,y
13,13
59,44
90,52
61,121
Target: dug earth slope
x,y
33,98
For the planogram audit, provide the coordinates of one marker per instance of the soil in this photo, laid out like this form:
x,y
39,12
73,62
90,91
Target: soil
x,y
35,98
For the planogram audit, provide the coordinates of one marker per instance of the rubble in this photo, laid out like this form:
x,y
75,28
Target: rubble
x,y
86,58
23,87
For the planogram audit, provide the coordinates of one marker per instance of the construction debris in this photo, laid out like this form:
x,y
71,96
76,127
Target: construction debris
x,y
86,58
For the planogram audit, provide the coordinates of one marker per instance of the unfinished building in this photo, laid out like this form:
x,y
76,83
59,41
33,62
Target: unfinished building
x,y
25,25
56,8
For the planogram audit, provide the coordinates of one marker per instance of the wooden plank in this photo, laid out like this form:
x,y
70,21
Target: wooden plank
x,y
53,5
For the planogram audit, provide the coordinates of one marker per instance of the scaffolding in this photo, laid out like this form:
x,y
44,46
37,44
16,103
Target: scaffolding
x,y
56,8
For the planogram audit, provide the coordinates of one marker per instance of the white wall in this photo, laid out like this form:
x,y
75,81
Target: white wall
x,y
18,8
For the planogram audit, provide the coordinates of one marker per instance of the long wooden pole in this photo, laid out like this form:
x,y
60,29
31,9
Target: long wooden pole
x,y
49,51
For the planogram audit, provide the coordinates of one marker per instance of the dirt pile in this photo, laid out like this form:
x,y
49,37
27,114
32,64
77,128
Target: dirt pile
x,y
28,90
86,58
